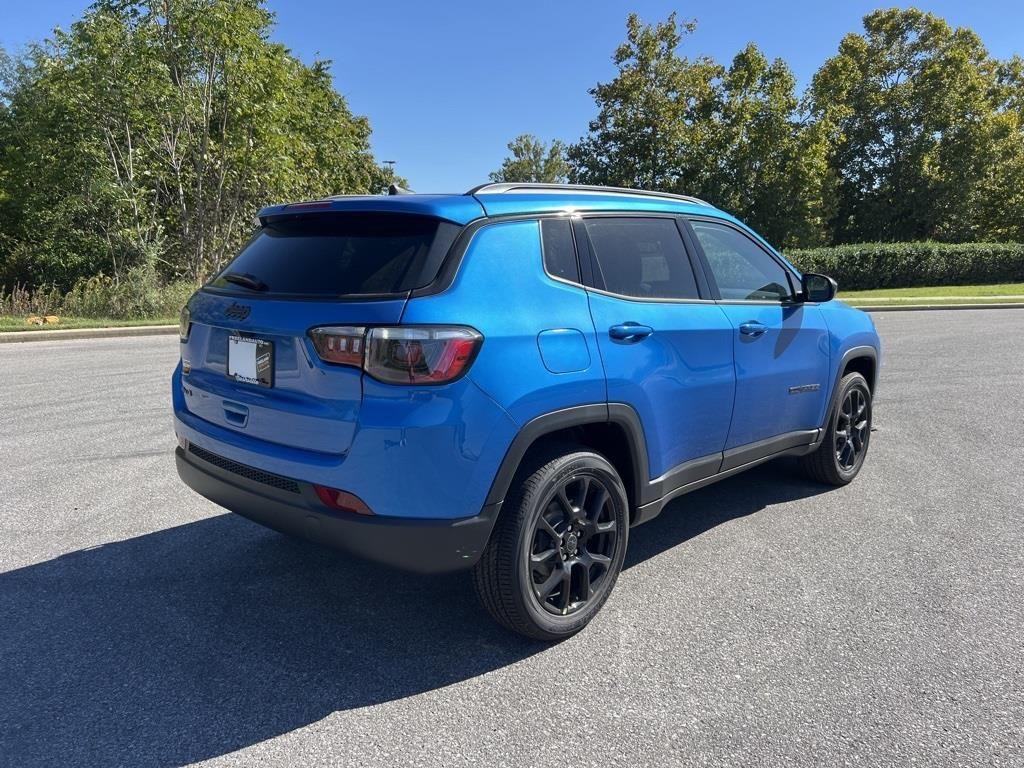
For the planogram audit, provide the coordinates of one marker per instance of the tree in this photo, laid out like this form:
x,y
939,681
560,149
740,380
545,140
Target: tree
x,y
1002,186
149,134
533,161
766,158
908,109
652,117
736,137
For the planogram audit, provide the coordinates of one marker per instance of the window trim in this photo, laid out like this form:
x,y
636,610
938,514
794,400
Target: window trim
x,y
587,273
791,276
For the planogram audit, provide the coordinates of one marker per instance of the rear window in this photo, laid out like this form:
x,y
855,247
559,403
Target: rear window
x,y
341,255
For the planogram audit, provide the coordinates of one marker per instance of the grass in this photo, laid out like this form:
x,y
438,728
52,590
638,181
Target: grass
x,y
12,323
942,294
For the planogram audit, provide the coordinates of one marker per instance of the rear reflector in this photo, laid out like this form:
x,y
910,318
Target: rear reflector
x,y
415,354
343,500
184,323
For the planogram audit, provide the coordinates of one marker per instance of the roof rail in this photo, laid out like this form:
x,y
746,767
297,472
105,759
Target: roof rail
x,y
503,187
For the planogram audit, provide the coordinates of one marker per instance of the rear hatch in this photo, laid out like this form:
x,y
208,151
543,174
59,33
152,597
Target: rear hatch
x,y
251,366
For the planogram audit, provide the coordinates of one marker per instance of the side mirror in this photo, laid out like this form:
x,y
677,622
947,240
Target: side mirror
x,y
818,288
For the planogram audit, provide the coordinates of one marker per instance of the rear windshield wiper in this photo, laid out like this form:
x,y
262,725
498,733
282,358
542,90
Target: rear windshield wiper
x,y
246,281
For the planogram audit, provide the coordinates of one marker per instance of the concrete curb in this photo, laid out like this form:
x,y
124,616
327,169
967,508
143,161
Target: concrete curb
x,y
13,337
932,307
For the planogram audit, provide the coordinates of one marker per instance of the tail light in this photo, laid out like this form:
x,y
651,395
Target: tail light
x,y
418,354
340,344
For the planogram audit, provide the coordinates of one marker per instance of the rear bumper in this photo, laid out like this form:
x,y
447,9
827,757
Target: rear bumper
x,y
420,545
427,454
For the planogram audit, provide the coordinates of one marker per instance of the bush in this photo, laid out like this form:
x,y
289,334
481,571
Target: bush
x,y
138,295
864,266
25,301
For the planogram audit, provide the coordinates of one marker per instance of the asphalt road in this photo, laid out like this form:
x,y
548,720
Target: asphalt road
x,y
762,621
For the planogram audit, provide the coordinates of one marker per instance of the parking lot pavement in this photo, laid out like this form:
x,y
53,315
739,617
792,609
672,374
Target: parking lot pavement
x,y
765,620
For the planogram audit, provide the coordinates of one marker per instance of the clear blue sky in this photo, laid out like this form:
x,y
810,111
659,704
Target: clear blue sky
x,y
447,84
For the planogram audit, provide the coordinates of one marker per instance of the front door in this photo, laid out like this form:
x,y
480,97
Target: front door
x,y
781,346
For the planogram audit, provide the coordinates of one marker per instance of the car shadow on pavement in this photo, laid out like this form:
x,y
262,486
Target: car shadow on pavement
x,y
691,515
200,640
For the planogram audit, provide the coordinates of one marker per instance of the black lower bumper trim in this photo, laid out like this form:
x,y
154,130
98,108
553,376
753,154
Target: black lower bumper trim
x,y
423,546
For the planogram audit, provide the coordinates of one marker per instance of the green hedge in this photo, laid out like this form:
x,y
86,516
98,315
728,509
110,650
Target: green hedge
x,y
863,266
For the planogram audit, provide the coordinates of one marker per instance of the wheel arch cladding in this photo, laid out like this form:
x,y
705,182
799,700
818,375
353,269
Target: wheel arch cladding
x,y
612,430
865,365
856,356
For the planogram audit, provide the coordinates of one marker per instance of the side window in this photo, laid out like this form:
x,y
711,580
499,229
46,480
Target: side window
x,y
559,249
641,257
741,268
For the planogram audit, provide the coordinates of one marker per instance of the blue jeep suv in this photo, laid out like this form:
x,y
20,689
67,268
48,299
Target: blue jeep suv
x,y
508,380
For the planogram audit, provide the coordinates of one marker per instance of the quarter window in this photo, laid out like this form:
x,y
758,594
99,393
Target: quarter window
x,y
741,268
559,249
639,257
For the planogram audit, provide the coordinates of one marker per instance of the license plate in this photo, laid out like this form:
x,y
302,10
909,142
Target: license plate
x,y
251,360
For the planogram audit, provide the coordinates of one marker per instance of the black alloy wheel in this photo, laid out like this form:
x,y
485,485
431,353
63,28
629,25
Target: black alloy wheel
x,y
852,429
844,445
573,541
558,546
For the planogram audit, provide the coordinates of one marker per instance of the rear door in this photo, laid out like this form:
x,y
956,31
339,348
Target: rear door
x,y
781,346
666,351
297,273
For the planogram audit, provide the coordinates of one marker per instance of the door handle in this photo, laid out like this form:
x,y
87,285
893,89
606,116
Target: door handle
x,y
752,328
630,331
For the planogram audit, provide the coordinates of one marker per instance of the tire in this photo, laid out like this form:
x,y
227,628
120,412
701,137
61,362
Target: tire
x,y
841,454
569,513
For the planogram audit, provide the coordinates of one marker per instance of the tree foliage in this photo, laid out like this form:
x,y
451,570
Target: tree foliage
x,y
912,110
653,117
735,136
1002,183
911,131
768,159
148,134
139,142
531,160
